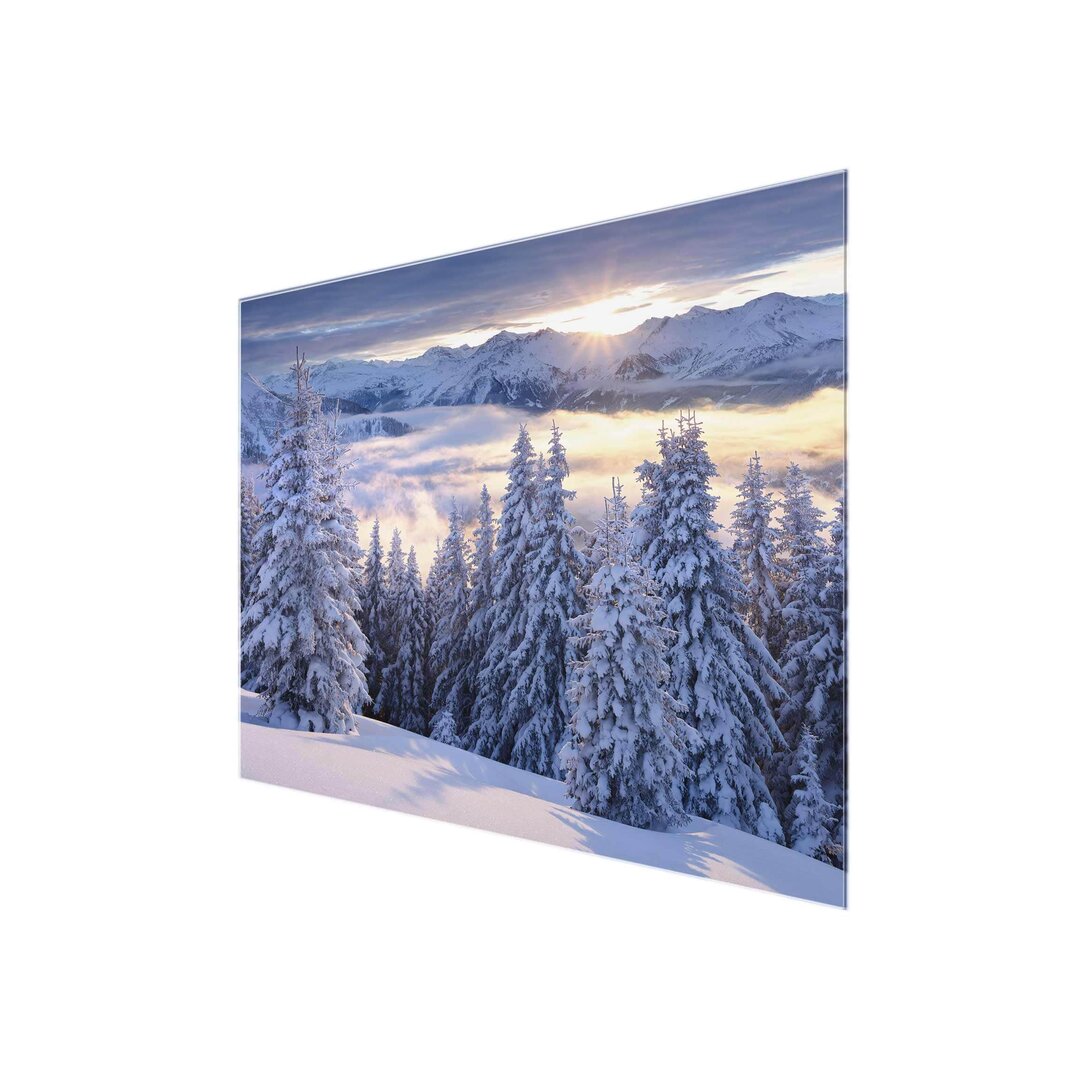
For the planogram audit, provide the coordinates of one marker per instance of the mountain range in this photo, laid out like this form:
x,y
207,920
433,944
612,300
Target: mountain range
x,y
770,350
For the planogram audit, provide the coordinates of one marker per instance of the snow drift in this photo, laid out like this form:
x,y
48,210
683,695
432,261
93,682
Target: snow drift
x,y
387,766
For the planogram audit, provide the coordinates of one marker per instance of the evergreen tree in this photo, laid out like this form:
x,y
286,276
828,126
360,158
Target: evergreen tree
x,y
481,584
395,576
490,732
445,722
433,585
536,708
402,696
395,583
252,554
626,754
451,615
808,629
340,519
826,709
717,662
612,539
809,815
755,550
299,633
374,613
800,553
647,520
432,604
250,519
828,727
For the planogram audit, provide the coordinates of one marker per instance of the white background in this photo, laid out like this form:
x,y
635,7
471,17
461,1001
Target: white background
x,y
164,918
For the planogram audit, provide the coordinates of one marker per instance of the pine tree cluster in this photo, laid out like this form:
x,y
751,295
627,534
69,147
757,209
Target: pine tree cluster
x,y
659,672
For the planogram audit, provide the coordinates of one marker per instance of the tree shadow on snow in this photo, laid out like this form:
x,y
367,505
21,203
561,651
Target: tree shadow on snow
x,y
445,769
698,854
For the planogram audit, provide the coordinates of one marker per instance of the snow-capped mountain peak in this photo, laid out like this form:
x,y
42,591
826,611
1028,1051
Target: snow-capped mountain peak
x,y
774,339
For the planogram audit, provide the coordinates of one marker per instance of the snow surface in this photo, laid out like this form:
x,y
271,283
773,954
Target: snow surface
x,y
387,766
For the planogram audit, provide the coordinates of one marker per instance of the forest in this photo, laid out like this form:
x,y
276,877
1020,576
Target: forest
x,y
658,672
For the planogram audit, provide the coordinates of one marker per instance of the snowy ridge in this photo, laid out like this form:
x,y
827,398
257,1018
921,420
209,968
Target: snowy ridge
x,y
796,341
386,766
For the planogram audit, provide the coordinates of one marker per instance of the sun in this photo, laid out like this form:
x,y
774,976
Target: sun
x,y
615,313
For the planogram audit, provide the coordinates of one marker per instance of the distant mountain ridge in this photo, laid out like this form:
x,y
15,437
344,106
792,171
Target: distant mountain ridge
x,y
773,348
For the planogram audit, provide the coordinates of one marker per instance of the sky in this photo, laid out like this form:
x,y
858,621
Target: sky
x,y
602,279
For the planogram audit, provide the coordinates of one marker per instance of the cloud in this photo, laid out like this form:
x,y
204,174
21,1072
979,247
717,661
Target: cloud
x,y
410,481
753,277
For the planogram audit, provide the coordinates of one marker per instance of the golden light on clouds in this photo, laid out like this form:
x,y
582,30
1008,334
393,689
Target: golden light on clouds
x,y
410,480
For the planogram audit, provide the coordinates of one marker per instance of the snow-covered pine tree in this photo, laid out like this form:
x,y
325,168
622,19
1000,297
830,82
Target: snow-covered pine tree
x,y
433,584
432,602
807,626
829,730
755,550
478,630
808,818
800,548
251,556
299,633
374,613
340,521
613,533
717,662
250,519
395,573
489,733
394,576
446,722
816,670
451,615
536,707
647,520
625,758
402,696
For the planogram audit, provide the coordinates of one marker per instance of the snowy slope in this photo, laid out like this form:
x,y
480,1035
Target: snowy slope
x,y
386,766
736,340
772,337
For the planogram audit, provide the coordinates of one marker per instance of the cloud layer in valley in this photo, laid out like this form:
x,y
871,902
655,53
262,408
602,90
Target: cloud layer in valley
x,y
410,481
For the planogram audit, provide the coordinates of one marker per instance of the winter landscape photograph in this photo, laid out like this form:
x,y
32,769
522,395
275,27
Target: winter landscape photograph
x,y
548,539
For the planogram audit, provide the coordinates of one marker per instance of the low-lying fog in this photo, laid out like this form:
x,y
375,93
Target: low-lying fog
x,y
409,481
